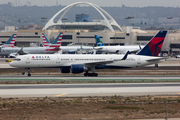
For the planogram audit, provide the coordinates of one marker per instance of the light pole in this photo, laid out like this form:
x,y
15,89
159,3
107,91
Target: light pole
x,y
43,20
64,20
169,18
78,33
129,17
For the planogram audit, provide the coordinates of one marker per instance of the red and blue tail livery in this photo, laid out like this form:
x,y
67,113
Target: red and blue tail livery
x,y
56,44
154,46
58,39
11,41
45,40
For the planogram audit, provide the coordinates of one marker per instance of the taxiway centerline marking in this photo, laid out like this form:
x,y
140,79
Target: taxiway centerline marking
x,y
61,94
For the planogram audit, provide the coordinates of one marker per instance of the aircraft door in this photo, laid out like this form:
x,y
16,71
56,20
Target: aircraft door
x,y
58,60
138,61
27,60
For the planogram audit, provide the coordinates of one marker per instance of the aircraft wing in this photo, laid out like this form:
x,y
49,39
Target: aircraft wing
x,y
98,48
99,63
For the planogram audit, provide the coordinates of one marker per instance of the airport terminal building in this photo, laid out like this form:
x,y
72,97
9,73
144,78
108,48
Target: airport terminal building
x,y
82,31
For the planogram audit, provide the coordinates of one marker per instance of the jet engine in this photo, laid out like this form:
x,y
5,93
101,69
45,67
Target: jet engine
x,y
76,68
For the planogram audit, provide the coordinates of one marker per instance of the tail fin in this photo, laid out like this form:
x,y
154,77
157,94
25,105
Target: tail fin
x,y
58,39
11,41
98,41
154,46
45,40
56,44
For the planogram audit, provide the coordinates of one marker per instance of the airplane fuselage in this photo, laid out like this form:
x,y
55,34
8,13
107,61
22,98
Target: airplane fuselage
x,y
30,50
66,49
119,49
41,50
63,60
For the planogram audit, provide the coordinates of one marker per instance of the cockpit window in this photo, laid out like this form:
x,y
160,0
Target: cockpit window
x,y
17,59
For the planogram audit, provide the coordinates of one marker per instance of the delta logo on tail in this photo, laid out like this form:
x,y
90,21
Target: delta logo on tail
x,y
11,41
154,46
98,41
56,44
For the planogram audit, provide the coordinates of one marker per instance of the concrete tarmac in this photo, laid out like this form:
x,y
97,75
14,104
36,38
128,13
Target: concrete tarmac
x,y
85,90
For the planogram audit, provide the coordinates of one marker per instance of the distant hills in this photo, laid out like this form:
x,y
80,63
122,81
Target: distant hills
x,y
26,15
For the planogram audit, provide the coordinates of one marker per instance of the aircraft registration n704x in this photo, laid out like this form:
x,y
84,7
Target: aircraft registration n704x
x,y
79,63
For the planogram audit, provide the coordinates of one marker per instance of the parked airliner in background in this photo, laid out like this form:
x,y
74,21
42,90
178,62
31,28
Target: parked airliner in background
x,y
57,41
115,49
13,52
67,49
79,63
11,41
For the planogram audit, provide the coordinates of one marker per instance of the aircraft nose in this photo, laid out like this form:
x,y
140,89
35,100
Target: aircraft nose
x,y
11,63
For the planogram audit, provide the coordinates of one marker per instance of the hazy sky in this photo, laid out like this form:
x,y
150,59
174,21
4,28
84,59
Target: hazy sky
x,y
131,3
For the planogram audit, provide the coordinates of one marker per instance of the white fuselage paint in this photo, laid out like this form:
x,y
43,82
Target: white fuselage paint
x,y
66,60
66,49
121,49
29,50
41,50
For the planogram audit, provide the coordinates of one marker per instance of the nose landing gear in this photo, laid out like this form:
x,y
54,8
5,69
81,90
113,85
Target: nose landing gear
x,y
28,71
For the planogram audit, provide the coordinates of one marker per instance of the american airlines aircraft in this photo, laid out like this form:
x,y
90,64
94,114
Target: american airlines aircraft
x,y
79,63
13,52
115,49
66,49
10,42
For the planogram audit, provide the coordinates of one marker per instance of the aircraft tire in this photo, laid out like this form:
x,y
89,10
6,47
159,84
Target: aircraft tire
x,y
22,73
95,74
85,74
29,74
90,74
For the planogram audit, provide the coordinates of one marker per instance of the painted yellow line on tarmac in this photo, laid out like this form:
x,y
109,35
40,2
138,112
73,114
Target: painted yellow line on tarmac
x,y
61,94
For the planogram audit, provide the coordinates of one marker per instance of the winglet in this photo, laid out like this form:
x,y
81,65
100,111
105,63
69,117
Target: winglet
x,y
21,52
125,56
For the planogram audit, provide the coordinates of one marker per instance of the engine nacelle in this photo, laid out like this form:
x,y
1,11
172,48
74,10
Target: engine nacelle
x,y
65,70
76,68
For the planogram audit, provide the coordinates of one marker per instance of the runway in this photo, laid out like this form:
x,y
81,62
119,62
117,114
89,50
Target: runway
x,y
85,90
99,78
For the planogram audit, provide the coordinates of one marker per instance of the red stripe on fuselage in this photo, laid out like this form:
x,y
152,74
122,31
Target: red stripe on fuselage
x,y
52,49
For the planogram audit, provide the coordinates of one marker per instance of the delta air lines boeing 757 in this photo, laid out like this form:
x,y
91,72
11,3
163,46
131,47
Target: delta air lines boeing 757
x,y
79,63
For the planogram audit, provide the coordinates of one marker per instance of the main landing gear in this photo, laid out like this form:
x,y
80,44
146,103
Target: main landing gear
x,y
90,74
28,71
